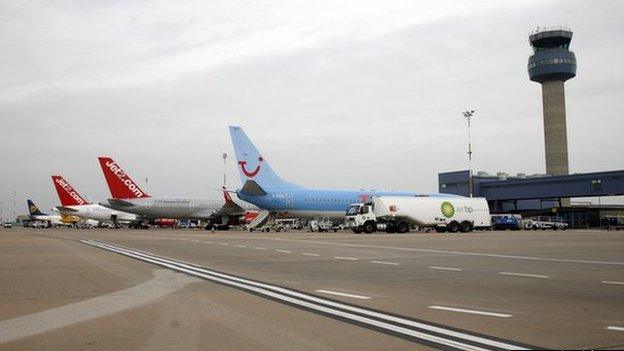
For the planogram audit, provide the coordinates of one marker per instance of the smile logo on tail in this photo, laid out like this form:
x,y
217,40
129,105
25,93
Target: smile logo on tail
x,y
248,173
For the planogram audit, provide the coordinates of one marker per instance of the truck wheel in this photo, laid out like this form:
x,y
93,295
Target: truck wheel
x,y
369,227
535,227
357,230
465,227
402,227
453,227
440,229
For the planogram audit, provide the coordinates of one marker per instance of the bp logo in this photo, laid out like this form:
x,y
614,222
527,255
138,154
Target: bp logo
x,y
447,208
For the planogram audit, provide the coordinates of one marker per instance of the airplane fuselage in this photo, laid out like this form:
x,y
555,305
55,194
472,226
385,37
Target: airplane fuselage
x,y
314,203
98,212
174,208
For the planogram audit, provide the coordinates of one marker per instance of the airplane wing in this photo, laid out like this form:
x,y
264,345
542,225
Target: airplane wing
x,y
119,203
66,209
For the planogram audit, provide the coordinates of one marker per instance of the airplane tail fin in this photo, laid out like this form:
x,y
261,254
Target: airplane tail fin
x,y
226,196
66,193
33,209
119,183
251,165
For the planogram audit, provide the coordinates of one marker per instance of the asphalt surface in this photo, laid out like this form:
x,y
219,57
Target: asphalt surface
x,y
545,289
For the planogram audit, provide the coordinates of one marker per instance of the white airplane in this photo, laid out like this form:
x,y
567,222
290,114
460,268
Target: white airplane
x,y
127,196
74,204
51,220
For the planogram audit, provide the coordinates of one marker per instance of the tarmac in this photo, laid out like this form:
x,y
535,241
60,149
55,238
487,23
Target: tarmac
x,y
162,289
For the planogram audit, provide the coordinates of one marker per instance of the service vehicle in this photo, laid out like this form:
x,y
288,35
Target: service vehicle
x,y
7,225
506,222
612,222
286,224
398,213
546,222
322,225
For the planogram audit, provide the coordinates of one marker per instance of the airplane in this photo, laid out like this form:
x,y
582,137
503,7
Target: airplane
x,y
129,197
279,198
52,220
74,204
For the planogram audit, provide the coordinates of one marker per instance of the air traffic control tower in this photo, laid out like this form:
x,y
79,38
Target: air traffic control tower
x,y
551,65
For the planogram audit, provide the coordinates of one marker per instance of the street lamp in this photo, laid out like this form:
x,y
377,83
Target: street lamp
x,y
468,115
224,156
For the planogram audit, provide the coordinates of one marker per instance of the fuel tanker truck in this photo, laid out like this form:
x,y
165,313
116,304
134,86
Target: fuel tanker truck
x,y
396,214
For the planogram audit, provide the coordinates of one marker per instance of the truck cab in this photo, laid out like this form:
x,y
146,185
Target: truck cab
x,y
358,215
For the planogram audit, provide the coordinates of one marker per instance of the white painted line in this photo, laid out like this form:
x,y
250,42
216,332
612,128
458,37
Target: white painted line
x,y
615,328
259,248
310,254
612,282
361,297
384,262
224,244
163,283
484,313
525,275
240,246
464,253
460,340
284,251
446,268
346,258
209,242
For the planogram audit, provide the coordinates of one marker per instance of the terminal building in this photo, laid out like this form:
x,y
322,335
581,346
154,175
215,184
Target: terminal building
x,y
551,64
541,194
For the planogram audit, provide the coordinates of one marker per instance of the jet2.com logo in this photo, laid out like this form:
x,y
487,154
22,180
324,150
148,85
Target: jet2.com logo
x,y
447,208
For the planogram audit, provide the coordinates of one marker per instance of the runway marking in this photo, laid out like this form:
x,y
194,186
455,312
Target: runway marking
x,y
461,253
612,282
386,263
346,258
338,293
284,251
446,268
434,335
240,246
527,275
224,244
310,254
615,328
209,242
195,241
462,310
163,283
259,248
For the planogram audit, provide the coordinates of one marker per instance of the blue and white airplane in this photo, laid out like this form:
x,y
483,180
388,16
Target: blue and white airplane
x,y
277,197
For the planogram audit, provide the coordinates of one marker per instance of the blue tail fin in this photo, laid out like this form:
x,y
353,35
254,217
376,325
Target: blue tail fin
x,y
251,165
33,209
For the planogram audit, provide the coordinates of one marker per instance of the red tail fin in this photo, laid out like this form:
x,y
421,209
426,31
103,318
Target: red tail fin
x,y
67,194
119,183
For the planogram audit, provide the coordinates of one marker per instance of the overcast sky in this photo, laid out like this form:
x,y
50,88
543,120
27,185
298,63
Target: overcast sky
x,y
357,94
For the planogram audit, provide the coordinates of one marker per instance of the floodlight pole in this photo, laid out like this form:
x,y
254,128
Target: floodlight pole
x,y
468,115
224,168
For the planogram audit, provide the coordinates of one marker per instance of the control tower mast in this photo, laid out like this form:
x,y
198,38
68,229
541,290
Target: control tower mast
x,y
551,65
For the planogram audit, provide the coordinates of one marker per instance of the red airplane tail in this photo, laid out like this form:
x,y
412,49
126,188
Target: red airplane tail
x,y
66,193
119,183
226,196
